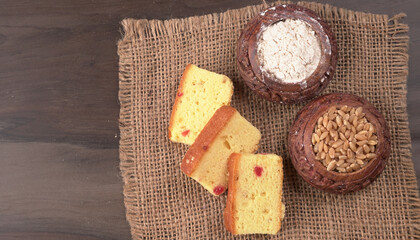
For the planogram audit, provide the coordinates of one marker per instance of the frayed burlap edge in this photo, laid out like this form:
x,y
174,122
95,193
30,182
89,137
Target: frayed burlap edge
x,y
135,30
398,38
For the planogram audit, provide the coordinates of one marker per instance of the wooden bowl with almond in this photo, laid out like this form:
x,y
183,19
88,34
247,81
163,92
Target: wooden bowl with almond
x,y
339,143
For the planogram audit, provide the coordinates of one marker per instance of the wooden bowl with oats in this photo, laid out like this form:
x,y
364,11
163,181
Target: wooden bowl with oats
x,y
339,143
287,54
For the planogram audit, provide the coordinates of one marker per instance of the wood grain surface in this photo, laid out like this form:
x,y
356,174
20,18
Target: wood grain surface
x,y
59,177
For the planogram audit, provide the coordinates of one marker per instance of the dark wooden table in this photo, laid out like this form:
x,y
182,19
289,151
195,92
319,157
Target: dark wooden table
x,y
59,175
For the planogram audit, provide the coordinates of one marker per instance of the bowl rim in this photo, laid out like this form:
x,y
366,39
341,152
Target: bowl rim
x,y
326,38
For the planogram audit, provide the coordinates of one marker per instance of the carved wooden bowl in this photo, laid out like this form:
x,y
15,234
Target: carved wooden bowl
x,y
266,85
303,156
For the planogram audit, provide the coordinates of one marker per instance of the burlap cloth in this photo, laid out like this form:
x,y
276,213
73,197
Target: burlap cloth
x,y
162,203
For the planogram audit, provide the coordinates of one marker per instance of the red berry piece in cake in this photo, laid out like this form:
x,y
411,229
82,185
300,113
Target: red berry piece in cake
x,y
185,133
218,190
258,170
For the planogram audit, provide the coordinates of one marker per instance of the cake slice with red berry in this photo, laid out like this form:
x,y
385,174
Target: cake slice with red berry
x,y
254,203
200,94
206,160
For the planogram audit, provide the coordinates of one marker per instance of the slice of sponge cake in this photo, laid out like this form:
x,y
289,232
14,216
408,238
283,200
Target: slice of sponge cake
x,y
225,133
254,203
200,94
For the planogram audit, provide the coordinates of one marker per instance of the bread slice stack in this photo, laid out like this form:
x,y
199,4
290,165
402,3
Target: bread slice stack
x,y
220,156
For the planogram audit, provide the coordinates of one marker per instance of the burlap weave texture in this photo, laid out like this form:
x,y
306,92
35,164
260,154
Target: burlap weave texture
x,y
162,203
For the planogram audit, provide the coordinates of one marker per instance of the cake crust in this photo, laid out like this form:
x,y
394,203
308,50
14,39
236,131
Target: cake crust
x,y
204,140
177,99
228,214
282,207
